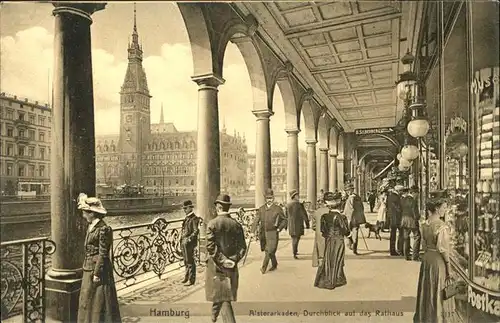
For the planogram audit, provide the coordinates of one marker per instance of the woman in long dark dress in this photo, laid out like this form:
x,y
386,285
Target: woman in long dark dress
x,y
435,268
98,299
334,227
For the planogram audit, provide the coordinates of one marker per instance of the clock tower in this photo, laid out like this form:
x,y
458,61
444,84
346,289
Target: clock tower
x,y
135,123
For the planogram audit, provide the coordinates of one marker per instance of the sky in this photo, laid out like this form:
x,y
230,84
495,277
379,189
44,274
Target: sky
x,y
26,44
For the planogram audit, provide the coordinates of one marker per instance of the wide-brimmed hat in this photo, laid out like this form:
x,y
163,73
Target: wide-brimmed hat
x,y
223,199
293,193
187,204
399,187
91,204
332,198
269,193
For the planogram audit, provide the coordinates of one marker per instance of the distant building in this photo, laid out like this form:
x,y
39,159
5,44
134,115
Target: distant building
x,y
24,146
158,156
278,172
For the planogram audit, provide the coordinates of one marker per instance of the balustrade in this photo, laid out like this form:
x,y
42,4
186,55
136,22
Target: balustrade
x,y
140,253
24,263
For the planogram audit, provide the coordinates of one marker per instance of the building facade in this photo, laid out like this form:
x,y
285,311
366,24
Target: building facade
x,y
158,156
457,61
278,173
24,146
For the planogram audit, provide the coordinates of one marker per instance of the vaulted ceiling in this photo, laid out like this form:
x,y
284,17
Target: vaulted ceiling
x,y
348,52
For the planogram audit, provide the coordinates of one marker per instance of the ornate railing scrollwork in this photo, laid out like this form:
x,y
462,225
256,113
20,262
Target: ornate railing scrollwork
x,y
155,248
23,278
146,248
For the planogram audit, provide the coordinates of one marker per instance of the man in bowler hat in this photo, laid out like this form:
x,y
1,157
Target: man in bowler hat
x,y
226,246
297,217
189,241
270,219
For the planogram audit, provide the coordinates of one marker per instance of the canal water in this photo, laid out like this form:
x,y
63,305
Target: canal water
x,y
29,230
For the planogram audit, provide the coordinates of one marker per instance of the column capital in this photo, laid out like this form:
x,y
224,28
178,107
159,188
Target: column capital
x,y
84,10
292,132
209,80
324,150
263,114
333,155
311,142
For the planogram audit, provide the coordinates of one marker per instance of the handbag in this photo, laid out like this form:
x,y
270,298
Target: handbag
x,y
452,288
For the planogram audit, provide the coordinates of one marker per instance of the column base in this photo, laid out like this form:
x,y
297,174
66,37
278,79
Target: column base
x,y
62,298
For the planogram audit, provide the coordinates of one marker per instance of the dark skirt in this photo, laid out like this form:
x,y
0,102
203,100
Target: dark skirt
x,y
330,273
431,307
98,301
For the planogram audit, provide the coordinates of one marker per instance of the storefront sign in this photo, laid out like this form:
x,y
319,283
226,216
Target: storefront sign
x,y
373,131
484,301
479,84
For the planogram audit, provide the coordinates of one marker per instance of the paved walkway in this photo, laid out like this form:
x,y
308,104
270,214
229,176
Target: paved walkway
x,y
379,288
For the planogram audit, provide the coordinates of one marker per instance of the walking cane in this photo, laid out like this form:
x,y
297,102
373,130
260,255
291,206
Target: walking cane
x,y
248,249
363,236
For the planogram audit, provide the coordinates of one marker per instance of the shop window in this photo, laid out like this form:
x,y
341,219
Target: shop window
x,y
485,94
456,140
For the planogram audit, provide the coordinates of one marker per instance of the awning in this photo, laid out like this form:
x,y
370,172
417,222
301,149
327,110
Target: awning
x,y
383,171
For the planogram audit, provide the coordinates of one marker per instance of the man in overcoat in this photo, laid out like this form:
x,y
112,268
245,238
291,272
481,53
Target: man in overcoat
x,y
226,246
319,241
354,210
297,218
394,216
270,219
189,241
410,223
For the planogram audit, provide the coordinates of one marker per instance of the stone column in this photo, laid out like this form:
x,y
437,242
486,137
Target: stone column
x,y
262,156
208,148
72,154
311,172
292,163
323,171
340,172
333,173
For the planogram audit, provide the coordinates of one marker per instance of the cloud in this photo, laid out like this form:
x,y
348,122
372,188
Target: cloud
x,y
27,59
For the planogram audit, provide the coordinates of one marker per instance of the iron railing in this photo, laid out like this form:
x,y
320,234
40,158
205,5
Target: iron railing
x,y
23,265
149,251
140,253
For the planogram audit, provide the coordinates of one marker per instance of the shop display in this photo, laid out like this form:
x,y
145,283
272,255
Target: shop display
x,y
487,201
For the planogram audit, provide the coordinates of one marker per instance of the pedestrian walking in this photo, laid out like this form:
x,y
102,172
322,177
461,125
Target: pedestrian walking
x,y
334,228
189,241
355,213
98,301
270,219
226,246
297,219
319,241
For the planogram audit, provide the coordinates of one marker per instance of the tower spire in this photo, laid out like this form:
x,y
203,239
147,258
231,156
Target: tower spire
x,y
161,115
135,20
135,34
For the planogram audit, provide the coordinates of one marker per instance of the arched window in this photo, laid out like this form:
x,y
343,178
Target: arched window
x,y
162,146
176,145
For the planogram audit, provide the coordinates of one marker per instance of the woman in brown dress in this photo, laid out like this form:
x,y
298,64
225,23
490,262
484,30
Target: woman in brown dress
x,y
98,300
435,267
334,227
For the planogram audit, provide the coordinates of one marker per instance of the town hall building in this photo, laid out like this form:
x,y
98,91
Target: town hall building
x,y
158,156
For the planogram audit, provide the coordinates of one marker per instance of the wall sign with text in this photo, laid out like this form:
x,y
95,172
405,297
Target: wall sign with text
x,y
374,131
484,301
